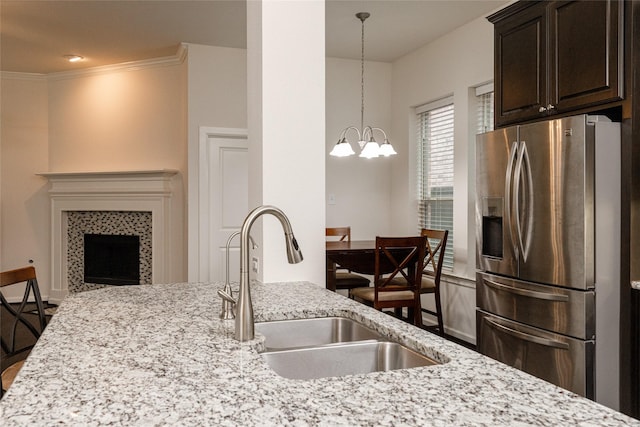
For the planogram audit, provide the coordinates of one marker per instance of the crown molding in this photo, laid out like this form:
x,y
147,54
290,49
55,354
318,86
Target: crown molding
x,y
165,61
177,59
15,75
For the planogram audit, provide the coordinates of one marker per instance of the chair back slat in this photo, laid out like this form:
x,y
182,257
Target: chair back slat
x,y
19,275
343,232
436,246
406,255
401,265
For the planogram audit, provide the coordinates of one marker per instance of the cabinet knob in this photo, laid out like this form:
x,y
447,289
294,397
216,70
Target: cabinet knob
x,y
542,109
551,107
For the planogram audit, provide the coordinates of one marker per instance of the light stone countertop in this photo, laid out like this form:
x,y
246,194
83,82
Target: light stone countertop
x,y
159,355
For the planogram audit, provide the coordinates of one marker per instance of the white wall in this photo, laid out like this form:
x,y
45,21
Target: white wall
x,y
216,97
123,120
451,65
24,202
361,187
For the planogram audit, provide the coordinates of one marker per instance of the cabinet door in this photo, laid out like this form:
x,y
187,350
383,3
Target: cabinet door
x,y
585,60
520,65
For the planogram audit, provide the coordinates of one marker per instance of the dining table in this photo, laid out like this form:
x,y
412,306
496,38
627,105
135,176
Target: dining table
x,y
357,256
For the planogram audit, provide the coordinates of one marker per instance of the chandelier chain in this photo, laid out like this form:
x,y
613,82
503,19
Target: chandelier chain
x,y
362,77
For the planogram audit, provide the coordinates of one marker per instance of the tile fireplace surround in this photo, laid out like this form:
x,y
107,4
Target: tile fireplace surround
x,y
119,223
108,196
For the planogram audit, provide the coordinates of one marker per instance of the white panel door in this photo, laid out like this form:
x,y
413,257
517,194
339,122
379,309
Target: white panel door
x,y
223,201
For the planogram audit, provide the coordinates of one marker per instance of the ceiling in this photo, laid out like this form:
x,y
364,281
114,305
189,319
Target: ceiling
x,y
34,35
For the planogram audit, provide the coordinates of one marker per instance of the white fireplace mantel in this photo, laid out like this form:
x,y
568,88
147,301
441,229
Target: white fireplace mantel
x,y
146,191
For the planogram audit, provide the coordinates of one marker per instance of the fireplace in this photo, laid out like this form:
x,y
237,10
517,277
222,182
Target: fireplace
x,y
111,259
127,203
116,246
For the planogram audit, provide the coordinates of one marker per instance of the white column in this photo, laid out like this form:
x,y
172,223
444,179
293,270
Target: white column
x,y
286,116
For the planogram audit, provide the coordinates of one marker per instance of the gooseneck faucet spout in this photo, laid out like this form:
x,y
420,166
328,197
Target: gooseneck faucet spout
x,y
244,307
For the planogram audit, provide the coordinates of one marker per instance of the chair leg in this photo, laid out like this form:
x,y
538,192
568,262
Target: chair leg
x,y
417,318
439,313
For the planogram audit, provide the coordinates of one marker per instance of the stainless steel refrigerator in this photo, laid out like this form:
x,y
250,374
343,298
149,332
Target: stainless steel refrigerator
x,y
548,241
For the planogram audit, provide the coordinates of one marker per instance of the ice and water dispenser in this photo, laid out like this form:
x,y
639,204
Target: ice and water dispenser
x,y
492,213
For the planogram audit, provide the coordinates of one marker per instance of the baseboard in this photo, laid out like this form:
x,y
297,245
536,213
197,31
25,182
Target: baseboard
x,y
56,297
467,340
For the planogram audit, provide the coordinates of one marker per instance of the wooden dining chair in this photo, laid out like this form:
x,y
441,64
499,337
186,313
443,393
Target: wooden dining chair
x,y
22,323
345,279
403,258
436,245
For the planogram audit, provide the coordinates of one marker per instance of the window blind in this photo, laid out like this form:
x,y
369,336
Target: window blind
x,y
435,170
484,114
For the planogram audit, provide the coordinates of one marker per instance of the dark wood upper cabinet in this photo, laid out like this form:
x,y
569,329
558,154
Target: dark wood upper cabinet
x,y
520,65
555,57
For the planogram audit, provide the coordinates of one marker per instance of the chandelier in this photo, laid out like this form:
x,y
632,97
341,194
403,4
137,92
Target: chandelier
x,y
369,148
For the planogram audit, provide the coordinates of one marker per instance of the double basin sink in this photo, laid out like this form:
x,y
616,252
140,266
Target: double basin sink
x,y
332,347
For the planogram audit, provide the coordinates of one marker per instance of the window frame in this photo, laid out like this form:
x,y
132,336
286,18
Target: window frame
x,y
443,199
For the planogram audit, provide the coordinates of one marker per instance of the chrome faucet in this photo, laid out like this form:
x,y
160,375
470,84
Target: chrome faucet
x,y
244,307
228,311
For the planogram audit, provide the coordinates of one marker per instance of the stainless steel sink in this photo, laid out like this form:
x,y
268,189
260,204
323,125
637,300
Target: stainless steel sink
x,y
332,347
287,334
344,359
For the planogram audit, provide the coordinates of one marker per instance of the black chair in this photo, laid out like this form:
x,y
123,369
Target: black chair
x,y
22,323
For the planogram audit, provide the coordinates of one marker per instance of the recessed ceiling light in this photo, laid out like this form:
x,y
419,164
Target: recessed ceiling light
x,y
73,58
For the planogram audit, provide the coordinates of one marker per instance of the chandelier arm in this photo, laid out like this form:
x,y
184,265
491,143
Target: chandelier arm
x,y
383,132
367,132
346,130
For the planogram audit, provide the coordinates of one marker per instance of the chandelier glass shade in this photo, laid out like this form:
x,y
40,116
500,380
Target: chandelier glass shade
x,y
369,147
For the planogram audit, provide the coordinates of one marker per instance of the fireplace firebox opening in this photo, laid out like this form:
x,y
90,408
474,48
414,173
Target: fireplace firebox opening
x,y
112,259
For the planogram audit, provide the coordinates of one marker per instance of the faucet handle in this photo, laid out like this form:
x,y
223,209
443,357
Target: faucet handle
x,y
228,303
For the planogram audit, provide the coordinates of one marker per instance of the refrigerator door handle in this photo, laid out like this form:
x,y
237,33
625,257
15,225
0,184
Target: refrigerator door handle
x,y
507,194
527,337
526,292
523,158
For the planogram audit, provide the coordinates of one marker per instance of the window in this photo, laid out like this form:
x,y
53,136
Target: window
x,y
484,98
435,170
